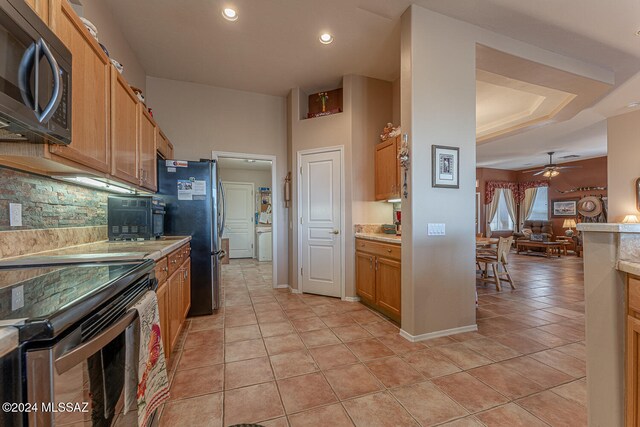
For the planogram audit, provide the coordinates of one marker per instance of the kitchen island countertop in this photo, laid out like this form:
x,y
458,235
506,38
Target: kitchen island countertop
x,y
380,237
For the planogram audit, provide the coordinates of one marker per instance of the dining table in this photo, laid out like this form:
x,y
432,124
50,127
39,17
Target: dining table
x,y
486,241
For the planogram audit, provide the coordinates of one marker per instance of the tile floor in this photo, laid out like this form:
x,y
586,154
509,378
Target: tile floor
x,y
278,359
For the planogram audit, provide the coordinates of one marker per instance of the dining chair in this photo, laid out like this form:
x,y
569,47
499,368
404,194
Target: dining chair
x,y
497,259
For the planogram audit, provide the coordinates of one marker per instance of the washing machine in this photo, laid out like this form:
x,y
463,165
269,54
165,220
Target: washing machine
x,y
263,242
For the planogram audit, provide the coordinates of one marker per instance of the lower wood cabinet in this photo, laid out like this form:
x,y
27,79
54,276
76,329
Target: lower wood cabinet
x,y
378,276
632,353
174,294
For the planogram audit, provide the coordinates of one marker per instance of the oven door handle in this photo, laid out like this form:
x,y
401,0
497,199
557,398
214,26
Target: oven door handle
x,y
74,357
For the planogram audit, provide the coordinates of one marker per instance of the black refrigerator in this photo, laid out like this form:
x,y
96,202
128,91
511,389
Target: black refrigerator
x,y
194,200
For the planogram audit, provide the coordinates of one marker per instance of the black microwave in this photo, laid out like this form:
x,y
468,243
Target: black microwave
x,y
135,217
35,78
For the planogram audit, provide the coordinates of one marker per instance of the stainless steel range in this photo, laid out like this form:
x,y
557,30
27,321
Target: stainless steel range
x,y
71,321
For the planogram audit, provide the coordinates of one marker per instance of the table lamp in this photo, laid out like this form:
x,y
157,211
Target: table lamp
x,y
569,224
630,219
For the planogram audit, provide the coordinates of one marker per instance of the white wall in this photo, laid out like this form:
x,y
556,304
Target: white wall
x,y
199,119
110,35
623,168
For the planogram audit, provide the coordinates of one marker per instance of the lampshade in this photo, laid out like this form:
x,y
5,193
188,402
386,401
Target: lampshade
x,y
550,173
569,223
630,219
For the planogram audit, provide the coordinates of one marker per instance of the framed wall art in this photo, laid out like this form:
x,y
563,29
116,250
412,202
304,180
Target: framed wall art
x,y
445,166
564,208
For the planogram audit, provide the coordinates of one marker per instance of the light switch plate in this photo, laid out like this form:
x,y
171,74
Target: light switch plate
x,y
17,297
435,229
15,214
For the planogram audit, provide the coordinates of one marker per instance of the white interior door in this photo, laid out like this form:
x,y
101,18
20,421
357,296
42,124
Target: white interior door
x,y
321,207
240,218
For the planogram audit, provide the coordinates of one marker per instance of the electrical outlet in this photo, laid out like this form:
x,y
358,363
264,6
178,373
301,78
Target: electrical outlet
x,y
15,214
17,297
436,229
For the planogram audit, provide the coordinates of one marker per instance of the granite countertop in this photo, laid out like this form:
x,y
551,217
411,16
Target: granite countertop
x,y
629,267
380,237
130,250
8,339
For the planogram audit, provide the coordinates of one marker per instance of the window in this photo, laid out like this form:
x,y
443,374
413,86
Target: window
x,y
540,210
502,221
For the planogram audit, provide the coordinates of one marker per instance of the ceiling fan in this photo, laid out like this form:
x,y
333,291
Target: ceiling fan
x,y
550,170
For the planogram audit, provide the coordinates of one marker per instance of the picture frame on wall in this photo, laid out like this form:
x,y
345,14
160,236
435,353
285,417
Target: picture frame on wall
x,y
445,166
564,208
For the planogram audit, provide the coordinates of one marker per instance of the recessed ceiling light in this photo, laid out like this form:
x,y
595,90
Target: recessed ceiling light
x,y
229,14
633,104
326,38
638,33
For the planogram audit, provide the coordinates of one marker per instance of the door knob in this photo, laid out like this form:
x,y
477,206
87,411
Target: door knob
x,y
335,232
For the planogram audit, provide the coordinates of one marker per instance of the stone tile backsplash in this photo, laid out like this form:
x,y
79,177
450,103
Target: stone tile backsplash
x,y
48,203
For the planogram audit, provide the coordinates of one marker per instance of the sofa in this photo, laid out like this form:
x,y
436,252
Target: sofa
x,y
536,227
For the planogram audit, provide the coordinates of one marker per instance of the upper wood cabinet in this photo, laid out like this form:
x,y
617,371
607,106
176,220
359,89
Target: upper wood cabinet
x,y
41,7
125,130
387,169
165,148
147,149
90,97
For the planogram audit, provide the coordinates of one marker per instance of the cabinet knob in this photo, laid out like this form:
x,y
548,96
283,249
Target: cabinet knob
x,y
174,261
165,268
389,250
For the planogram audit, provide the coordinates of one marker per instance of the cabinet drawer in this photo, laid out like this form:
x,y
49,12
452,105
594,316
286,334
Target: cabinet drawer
x,y
175,260
186,252
634,294
162,271
386,250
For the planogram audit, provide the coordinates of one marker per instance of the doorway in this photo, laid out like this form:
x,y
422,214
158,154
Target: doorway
x,y
251,228
320,231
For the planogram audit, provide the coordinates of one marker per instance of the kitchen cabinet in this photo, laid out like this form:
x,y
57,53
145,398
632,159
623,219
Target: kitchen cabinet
x,y
173,273
387,169
147,149
125,130
165,147
632,353
378,276
41,7
90,94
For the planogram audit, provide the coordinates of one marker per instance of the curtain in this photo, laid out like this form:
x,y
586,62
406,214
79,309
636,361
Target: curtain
x,y
527,204
510,200
492,209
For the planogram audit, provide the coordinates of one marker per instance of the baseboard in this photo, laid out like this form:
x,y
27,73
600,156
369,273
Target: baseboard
x,y
351,299
295,291
437,334
282,286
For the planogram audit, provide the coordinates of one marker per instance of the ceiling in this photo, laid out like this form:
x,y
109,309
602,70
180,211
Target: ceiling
x,y
244,164
273,46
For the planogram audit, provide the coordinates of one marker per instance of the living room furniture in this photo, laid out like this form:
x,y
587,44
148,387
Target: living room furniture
x,y
568,242
498,261
549,248
536,227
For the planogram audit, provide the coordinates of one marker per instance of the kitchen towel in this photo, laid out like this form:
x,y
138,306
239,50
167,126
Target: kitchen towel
x,y
152,387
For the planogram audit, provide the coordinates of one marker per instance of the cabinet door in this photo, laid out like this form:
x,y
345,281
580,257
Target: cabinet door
x,y
41,7
632,373
175,306
148,135
164,321
387,170
186,288
365,277
90,98
388,284
124,130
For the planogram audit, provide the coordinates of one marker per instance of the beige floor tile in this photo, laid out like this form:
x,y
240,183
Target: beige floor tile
x,y
491,349
278,328
196,357
394,372
510,415
399,344
351,332
332,356
469,392
319,338
352,380
307,324
292,364
243,350
378,410
462,356
506,381
430,363
198,381
369,349
428,404
241,333
305,392
563,362
332,415
251,404
283,344
247,372
536,371
201,338
202,411
555,410
575,391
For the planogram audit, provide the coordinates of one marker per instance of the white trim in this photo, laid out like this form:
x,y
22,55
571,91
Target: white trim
x,y
254,244
340,149
282,286
295,291
437,334
275,208
351,299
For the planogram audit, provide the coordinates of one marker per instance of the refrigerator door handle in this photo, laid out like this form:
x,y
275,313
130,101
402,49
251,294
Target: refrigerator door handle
x,y
220,254
224,211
